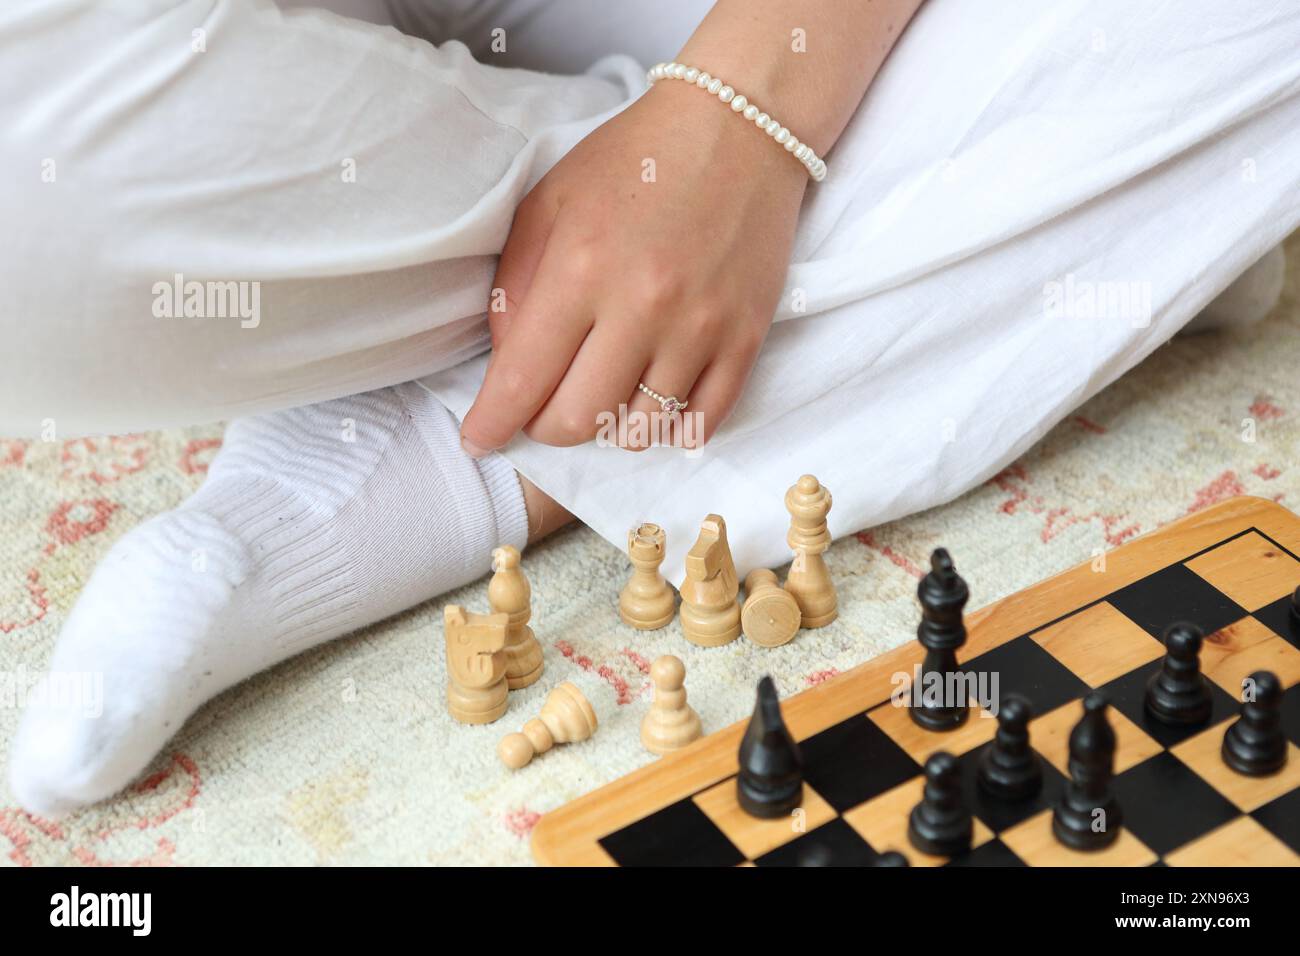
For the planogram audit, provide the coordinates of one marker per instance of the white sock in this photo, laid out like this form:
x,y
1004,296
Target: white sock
x,y
312,523
1249,298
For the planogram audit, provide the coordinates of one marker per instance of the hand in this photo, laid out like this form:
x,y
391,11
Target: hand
x,y
610,280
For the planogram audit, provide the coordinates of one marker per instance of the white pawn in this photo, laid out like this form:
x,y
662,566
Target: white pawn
x,y
671,723
566,718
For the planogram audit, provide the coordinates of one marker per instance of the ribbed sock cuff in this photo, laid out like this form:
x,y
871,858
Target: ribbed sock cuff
x,y
506,496
485,494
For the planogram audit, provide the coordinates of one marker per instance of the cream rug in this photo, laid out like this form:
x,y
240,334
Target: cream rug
x,y
347,755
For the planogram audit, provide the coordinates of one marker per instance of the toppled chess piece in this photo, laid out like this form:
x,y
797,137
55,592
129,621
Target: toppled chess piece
x,y
770,616
646,602
809,581
476,664
770,781
710,614
941,824
943,594
1255,744
509,593
1088,817
1178,693
670,723
566,718
1009,768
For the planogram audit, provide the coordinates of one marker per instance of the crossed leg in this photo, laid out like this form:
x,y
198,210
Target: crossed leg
x,y
317,518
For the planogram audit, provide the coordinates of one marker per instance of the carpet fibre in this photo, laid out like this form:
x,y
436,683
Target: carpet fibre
x,y
346,754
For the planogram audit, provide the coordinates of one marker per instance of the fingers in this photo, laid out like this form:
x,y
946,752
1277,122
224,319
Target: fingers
x,y
716,394
598,381
526,367
674,376
519,261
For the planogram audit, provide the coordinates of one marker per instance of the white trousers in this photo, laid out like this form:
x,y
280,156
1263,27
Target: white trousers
x,y
1031,198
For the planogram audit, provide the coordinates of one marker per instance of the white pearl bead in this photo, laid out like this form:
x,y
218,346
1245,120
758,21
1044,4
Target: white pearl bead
x,y
814,164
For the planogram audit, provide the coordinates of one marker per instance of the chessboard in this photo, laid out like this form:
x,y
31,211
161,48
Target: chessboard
x,y
1231,569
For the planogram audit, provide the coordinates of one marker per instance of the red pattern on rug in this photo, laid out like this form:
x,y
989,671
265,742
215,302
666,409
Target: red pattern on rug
x,y
162,797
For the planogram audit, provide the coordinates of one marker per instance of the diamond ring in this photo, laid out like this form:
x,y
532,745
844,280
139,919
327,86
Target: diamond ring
x,y
671,404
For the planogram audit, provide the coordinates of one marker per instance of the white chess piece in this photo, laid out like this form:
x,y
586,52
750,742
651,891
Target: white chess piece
x,y
671,723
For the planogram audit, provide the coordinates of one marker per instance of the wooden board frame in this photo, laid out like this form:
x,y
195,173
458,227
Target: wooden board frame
x,y
569,835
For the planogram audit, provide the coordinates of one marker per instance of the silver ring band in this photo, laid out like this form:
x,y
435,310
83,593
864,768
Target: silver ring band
x,y
669,403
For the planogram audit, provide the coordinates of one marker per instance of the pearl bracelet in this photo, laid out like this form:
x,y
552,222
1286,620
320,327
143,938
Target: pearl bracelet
x,y
739,104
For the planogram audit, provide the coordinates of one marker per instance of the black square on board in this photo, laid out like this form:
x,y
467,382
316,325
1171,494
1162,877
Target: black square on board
x,y
678,835
1279,618
1281,817
1175,594
1291,715
1127,694
853,761
1023,667
1166,804
843,844
993,853
1001,815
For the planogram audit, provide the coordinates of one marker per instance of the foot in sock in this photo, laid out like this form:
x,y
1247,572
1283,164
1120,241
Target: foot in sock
x,y
313,522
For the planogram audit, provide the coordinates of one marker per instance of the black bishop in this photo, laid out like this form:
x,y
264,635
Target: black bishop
x,y
1088,816
770,782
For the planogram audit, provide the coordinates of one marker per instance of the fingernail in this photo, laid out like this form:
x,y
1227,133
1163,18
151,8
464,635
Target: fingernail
x,y
471,449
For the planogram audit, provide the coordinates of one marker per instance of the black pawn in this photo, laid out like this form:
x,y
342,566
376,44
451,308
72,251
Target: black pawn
x,y
943,595
941,824
770,783
891,858
1009,768
1178,692
1255,744
1076,820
